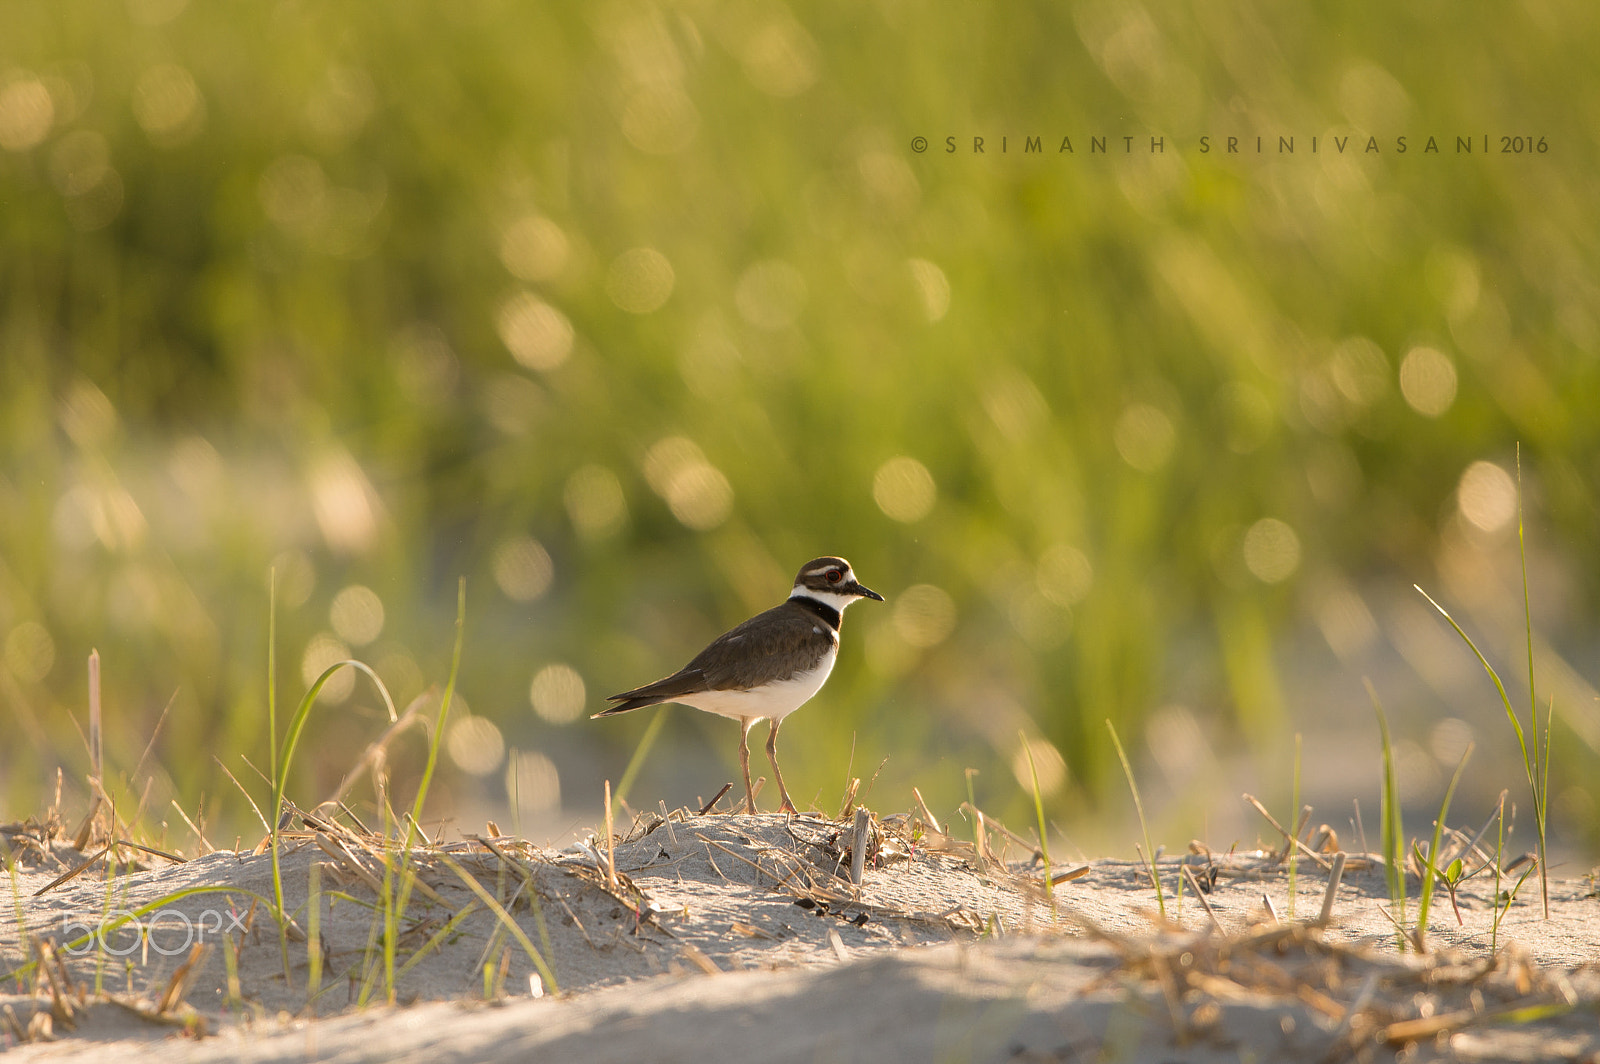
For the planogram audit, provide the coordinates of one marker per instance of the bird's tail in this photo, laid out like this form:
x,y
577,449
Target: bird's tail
x,y
627,705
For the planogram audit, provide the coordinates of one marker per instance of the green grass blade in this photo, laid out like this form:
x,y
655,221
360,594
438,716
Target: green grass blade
x,y
297,724
444,711
1540,776
1393,840
1499,855
272,754
1044,842
1498,686
437,938
636,762
506,921
1294,824
405,879
1138,805
272,699
281,760
391,931
314,931
1430,866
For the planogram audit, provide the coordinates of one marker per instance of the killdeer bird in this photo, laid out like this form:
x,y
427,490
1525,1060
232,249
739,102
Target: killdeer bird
x,y
767,667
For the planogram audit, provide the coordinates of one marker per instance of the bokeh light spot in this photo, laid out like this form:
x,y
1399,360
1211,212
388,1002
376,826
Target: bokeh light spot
x,y
1144,437
26,114
513,403
660,119
538,335
79,162
1014,403
1039,755
425,366
780,58
558,693
924,615
666,457
534,248
640,280
1373,98
401,675
109,517
1487,496
533,782
891,186
1448,740
30,652
196,467
770,295
700,496
295,577
294,192
341,104
356,615
1428,381
934,288
1178,744
475,745
342,500
1271,550
98,206
324,651
595,503
710,361
1360,371
904,489
167,104
522,568
87,415
697,493
1065,575
1346,623
1043,623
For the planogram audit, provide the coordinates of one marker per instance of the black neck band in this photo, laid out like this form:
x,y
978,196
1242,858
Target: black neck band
x,y
821,609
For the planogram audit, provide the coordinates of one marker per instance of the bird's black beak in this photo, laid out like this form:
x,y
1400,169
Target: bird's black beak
x,y
858,588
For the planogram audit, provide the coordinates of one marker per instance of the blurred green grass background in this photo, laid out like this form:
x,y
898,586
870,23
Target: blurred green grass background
x,y
623,310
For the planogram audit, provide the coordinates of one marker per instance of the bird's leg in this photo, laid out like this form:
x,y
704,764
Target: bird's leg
x,y
745,724
772,755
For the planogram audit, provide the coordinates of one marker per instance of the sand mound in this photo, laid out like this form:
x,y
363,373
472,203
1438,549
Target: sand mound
x,y
742,936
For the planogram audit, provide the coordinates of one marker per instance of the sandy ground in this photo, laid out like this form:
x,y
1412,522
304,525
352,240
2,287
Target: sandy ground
x,y
741,937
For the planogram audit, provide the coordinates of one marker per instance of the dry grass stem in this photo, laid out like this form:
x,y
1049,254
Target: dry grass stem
x,y
858,848
927,814
205,846
1200,896
1289,840
1333,888
705,809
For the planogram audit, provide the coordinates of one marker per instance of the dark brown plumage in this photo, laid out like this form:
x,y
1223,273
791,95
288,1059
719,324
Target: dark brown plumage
x,y
766,667
773,645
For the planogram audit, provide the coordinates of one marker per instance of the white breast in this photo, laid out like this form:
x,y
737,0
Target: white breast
x,y
774,701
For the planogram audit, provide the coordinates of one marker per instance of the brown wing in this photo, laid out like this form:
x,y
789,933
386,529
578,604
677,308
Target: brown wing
x,y
770,646
683,682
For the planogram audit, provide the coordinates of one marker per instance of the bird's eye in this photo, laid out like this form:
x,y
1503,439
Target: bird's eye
x,y
834,576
